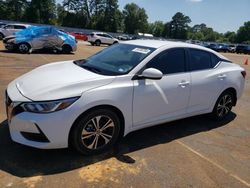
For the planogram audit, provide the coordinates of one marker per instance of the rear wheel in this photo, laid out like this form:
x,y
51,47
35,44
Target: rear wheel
x,y
223,105
98,43
95,132
66,49
24,48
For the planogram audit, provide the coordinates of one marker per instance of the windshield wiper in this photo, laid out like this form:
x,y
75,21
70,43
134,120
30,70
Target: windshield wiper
x,y
93,69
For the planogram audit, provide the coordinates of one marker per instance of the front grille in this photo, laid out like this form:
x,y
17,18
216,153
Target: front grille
x,y
8,100
11,108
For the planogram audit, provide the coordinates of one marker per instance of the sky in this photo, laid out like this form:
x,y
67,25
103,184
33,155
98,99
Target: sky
x,y
221,15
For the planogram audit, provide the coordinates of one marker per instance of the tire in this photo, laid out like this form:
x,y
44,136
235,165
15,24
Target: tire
x,y
97,139
92,44
66,49
97,42
115,42
24,48
223,105
1,36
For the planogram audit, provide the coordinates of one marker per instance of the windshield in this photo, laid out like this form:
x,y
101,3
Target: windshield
x,y
119,59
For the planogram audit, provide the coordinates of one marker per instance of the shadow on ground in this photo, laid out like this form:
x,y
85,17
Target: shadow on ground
x,y
24,161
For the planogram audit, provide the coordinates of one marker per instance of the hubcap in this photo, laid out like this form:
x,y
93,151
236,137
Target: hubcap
x,y
97,132
23,48
224,105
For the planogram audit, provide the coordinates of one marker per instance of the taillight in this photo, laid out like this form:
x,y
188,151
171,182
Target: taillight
x,y
244,73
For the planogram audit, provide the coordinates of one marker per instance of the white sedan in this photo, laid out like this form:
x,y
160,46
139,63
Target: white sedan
x,y
90,103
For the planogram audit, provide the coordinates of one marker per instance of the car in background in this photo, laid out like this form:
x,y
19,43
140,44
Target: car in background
x,y
11,29
40,37
2,24
222,48
79,36
213,46
245,49
91,103
98,38
124,37
232,48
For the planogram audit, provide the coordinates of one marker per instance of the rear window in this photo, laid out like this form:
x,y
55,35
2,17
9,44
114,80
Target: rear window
x,y
199,60
19,27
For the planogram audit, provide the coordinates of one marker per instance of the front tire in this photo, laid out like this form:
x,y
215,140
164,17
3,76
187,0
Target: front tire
x,y
95,132
223,105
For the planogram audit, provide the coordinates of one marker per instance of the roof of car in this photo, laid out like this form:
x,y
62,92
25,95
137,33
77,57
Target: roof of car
x,y
27,25
170,44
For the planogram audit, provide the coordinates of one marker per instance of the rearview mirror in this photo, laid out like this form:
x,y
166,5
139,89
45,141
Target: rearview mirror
x,y
151,73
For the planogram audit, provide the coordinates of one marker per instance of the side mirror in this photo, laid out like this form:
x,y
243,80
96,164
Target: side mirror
x,y
151,73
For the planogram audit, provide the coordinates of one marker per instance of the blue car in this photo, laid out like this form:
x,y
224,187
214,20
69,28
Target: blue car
x,y
40,37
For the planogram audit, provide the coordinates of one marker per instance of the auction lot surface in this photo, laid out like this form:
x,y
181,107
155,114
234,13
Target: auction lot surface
x,y
194,152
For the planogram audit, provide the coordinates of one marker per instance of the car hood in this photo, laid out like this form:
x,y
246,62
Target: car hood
x,y
59,80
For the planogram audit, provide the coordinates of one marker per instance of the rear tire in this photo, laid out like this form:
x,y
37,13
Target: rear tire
x,y
97,42
95,132
24,48
223,105
66,49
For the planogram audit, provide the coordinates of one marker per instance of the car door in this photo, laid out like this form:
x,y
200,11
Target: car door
x,y
108,39
159,100
206,80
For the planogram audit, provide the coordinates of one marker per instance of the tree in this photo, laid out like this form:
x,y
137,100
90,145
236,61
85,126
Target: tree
x,y
243,34
41,12
156,28
178,27
135,19
230,36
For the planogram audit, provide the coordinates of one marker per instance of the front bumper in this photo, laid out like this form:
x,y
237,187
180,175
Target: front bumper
x,y
44,131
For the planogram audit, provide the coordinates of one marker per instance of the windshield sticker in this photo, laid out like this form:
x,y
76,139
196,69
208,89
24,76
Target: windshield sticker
x,y
141,50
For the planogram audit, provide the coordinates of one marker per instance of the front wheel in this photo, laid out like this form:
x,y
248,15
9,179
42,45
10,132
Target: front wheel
x,y
95,132
223,105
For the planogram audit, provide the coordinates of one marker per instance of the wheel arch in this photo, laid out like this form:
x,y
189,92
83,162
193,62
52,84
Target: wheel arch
x,y
110,107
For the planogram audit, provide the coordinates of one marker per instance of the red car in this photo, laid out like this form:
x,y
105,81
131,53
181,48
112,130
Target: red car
x,y
79,36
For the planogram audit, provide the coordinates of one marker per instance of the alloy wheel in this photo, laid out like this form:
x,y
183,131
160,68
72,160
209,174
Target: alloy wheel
x,y
225,105
23,48
97,132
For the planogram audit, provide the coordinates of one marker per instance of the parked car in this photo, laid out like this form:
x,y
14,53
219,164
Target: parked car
x,y
92,102
223,48
245,49
35,38
232,48
97,38
213,46
124,37
10,29
79,36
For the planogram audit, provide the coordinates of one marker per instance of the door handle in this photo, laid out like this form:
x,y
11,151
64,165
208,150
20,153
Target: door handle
x,y
221,76
183,83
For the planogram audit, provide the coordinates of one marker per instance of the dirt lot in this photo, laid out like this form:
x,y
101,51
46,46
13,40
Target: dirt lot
x,y
195,152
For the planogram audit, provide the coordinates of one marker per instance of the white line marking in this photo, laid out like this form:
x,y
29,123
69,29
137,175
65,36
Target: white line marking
x,y
215,164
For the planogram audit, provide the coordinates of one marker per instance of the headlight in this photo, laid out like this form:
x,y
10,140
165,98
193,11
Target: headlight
x,y
48,106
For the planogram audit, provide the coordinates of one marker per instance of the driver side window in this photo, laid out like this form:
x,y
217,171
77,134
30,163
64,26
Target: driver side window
x,y
169,62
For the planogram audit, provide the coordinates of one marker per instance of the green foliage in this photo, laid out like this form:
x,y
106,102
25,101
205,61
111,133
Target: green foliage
x,y
177,28
243,34
135,19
